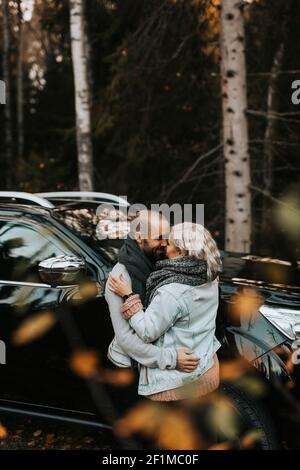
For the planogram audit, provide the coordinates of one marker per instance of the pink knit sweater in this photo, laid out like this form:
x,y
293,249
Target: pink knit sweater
x,y
207,383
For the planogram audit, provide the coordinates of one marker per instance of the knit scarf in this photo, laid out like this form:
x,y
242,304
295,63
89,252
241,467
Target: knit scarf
x,y
183,270
138,265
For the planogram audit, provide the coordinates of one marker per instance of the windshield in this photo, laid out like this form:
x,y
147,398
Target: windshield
x,y
105,231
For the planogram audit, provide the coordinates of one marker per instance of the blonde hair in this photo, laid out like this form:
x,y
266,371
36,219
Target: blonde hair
x,y
195,240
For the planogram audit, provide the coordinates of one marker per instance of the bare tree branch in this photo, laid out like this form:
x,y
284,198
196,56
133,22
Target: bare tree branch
x,y
189,171
274,199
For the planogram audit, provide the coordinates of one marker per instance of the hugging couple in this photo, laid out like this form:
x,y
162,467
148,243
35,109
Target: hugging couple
x,y
163,301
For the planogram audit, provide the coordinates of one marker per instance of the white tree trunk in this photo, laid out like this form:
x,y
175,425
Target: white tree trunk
x,y
20,108
7,106
82,96
235,129
88,54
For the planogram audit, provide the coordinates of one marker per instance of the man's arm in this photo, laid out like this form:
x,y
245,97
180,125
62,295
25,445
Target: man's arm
x,y
148,355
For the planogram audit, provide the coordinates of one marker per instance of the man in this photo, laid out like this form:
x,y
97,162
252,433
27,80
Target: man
x,y
145,245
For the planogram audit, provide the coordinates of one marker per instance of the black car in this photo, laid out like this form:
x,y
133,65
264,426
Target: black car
x,y
53,272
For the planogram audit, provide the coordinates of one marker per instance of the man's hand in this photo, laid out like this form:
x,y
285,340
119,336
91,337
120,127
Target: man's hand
x,y
186,362
119,285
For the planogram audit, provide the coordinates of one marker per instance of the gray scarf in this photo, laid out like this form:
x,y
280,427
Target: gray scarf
x,y
184,270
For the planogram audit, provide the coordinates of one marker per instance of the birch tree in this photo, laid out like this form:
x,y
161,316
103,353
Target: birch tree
x,y
7,107
235,129
82,96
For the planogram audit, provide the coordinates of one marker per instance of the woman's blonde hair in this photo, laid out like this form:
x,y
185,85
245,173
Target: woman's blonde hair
x,y
195,240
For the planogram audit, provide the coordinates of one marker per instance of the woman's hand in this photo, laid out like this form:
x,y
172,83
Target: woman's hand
x,y
119,285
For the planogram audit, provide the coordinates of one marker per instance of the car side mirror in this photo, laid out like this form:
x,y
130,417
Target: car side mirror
x,y
62,270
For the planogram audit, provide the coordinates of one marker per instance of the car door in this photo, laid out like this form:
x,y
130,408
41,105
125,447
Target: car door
x,y
37,350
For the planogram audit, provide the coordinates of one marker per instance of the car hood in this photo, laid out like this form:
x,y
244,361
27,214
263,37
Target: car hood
x,y
278,280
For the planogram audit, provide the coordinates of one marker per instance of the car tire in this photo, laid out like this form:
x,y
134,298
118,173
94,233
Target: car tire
x,y
253,415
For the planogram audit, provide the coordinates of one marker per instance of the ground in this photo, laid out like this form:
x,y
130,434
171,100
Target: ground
x,y
30,434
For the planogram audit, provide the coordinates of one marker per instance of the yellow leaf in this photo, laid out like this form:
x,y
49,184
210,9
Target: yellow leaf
x,y
33,328
85,363
176,432
89,289
221,446
170,429
117,377
251,438
233,370
245,303
142,418
3,432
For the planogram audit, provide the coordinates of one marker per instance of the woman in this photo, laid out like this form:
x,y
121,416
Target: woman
x,y
181,308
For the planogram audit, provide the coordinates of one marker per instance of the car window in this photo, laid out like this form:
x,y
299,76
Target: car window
x,y
104,231
23,246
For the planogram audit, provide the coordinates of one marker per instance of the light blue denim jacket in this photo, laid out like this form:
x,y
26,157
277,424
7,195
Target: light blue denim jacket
x,y
179,316
126,344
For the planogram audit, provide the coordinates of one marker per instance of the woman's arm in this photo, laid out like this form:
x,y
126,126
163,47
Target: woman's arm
x,y
161,314
148,355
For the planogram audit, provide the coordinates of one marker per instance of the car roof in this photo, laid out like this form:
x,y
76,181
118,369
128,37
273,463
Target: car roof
x,y
21,197
51,200
13,208
84,196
